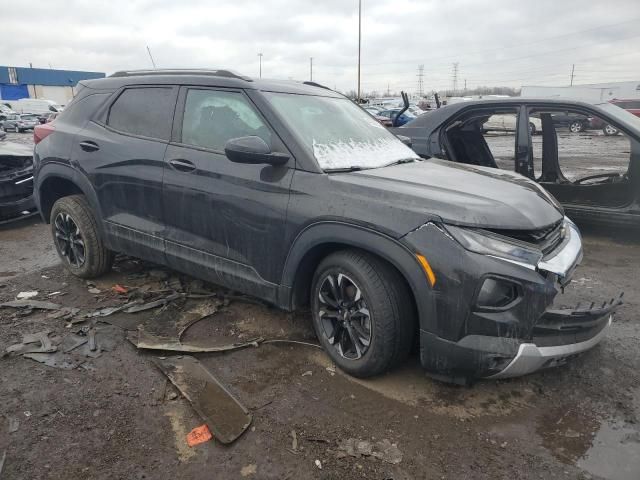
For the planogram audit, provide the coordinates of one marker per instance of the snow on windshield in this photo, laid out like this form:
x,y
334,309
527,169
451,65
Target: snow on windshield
x,y
338,132
365,154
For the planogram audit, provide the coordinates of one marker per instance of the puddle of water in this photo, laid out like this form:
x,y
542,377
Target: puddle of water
x,y
409,384
614,453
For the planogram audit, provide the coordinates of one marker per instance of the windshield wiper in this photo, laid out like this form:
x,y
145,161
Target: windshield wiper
x,y
402,160
353,168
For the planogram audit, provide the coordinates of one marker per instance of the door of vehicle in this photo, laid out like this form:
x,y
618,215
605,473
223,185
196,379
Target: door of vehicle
x,y
225,221
123,155
581,174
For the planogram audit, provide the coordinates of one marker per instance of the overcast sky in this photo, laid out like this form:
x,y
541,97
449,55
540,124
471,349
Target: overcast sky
x,y
510,43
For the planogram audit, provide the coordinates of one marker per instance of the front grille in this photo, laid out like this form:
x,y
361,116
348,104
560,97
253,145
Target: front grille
x,y
546,239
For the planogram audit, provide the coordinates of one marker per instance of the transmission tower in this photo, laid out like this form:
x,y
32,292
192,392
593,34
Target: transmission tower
x,y
420,81
455,77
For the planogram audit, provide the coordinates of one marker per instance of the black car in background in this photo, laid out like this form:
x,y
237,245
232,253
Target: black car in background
x,y
575,122
596,177
292,193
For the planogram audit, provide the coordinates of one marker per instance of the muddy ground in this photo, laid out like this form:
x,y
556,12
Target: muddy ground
x,y
116,416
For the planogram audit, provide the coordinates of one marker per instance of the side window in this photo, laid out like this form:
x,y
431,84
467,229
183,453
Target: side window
x,y
212,117
144,111
499,130
590,150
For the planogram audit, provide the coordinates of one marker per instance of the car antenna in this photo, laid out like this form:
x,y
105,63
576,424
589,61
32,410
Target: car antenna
x,y
405,102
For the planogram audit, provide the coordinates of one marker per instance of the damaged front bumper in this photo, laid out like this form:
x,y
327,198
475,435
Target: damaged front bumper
x,y
16,182
467,337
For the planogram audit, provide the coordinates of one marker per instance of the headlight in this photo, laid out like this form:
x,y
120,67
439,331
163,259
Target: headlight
x,y
487,243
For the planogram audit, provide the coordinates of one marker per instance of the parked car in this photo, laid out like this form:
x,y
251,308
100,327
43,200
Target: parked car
x,y
34,105
605,195
16,180
391,114
373,110
631,106
47,117
20,123
291,193
4,111
506,123
575,122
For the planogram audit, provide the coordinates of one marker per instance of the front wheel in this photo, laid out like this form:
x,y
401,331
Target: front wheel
x,y
532,128
610,130
77,238
362,313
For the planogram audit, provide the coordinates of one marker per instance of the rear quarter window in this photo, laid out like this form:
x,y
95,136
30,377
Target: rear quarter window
x,y
81,110
146,112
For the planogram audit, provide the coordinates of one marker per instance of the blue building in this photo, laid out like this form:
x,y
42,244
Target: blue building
x,y
46,83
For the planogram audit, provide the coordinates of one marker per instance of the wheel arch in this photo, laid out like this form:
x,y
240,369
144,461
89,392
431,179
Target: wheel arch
x,y
321,239
55,181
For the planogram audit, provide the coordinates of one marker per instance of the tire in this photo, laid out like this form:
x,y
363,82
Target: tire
x,y
383,295
610,130
532,129
73,222
576,127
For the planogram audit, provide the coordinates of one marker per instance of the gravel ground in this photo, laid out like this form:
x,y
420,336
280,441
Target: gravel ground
x,y
117,417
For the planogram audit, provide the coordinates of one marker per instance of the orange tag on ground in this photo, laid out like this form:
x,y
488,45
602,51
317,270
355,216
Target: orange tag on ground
x,y
199,435
119,289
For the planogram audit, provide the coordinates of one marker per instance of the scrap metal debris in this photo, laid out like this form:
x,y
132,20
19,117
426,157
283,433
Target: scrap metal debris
x,y
150,341
383,450
31,304
156,303
221,411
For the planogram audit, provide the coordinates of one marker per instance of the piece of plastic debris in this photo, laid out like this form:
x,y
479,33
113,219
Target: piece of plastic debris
x,y
247,470
33,343
14,424
31,304
307,373
53,294
27,413
331,370
119,289
27,295
221,411
294,441
95,291
199,435
319,464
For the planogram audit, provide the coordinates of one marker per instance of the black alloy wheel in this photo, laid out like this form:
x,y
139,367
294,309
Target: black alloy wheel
x,y
344,316
69,240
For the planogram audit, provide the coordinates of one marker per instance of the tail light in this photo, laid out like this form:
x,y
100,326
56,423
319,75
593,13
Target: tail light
x,y
40,132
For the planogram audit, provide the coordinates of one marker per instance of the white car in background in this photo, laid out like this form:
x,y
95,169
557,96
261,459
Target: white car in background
x,y
507,123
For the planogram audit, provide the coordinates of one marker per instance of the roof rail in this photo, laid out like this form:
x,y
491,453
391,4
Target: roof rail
x,y
314,84
182,71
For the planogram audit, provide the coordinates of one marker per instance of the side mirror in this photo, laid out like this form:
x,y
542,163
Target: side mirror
x,y
252,150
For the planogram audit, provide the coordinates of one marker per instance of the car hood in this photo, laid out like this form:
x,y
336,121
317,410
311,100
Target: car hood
x,y
460,194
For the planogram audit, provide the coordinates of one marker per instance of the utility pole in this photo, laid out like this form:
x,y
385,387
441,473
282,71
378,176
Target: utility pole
x,y
388,89
359,43
420,80
573,67
260,61
465,86
311,68
455,77
151,57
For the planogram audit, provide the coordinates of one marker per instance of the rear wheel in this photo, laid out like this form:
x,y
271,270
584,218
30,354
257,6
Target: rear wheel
x,y
77,238
362,313
610,130
532,128
576,127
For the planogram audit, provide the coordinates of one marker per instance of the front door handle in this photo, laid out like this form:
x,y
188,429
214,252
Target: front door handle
x,y
182,165
89,146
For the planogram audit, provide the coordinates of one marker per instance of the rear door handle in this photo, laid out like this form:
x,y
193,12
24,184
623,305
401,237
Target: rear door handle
x,y
182,165
89,146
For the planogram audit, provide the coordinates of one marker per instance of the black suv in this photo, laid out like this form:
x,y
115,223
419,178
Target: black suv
x,y
292,193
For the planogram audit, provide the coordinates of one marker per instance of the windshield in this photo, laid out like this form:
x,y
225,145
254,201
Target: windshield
x,y
622,115
338,133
